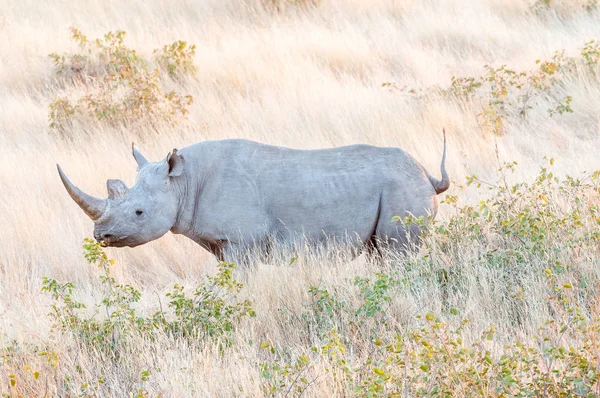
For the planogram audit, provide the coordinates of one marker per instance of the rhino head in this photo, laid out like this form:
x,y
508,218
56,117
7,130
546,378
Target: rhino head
x,y
136,215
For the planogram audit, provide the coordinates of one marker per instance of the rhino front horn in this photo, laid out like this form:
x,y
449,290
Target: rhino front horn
x,y
92,206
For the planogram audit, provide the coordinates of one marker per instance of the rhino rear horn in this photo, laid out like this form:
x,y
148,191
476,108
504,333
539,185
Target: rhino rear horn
x,y
137,155
92,206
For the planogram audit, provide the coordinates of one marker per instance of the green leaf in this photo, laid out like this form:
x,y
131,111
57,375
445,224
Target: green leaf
x,y
429,316
380,372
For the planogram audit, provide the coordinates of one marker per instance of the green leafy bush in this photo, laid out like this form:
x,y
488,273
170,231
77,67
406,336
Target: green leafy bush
x,y
503,94
281,375
113,327
436,359
120,87
212,313
209,312
121,318
97,58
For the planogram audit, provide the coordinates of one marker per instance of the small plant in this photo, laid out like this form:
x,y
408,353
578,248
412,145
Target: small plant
x,y
562,107
113,328
61,113
282,377
464,87
121,319
325,312
213,311
376,295
591,53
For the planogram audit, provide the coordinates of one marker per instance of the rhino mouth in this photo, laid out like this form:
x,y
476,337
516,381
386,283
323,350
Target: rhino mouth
x,y
120,241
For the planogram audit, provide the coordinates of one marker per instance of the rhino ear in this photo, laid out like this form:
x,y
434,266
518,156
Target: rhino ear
x,y
175,162
116,189
137,155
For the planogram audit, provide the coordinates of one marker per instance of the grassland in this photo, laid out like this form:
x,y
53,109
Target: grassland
x,y
304,76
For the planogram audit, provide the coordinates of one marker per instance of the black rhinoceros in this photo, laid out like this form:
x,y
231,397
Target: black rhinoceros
x,y
233,195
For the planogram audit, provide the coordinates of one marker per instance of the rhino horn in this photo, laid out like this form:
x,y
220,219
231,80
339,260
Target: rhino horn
x,y
139,158
92,206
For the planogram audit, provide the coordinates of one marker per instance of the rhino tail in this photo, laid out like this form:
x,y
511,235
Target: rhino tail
x,y
443,184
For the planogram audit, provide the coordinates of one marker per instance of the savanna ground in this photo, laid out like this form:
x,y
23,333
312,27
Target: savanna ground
x,y
461,317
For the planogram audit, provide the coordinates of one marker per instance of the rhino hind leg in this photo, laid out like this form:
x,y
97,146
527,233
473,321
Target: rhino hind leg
x,y
396,237
373,250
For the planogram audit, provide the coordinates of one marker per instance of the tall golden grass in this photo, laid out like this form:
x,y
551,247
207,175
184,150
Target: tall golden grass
x,y
303,77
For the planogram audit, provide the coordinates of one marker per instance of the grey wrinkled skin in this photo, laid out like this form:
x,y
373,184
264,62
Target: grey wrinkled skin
x,y
232,196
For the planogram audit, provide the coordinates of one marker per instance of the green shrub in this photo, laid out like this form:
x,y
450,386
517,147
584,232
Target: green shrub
x,y
542,218
121,318
282,376
436,359
326,312
120,87
112,330
212,313
209,313
97,58
502,94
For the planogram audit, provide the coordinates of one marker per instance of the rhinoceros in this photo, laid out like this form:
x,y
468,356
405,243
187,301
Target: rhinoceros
x,y
234,195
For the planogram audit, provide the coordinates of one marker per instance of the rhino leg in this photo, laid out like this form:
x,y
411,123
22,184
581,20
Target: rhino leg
x,y
238,253
398,238
372,250
394,235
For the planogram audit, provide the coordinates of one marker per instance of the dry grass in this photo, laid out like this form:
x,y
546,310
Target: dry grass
x,y
303,78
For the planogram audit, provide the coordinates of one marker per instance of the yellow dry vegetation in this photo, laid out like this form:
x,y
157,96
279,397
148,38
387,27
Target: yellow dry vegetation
x,y
303,74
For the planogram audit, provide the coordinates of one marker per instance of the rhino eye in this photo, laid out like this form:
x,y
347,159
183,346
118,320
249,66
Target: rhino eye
x,y
139,212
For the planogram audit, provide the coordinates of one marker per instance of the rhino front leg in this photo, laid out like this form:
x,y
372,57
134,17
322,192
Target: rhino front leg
x,y
237,253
